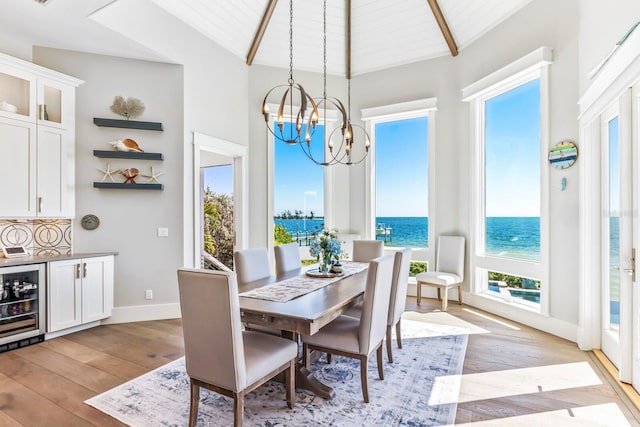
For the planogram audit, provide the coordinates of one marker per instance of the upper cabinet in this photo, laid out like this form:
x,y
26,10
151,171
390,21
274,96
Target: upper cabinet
x,y
37,140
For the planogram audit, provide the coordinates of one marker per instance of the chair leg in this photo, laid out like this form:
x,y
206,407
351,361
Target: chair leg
x,y
388,340
290,375
364,362
379,360
460,294
439,297
398,334
193,407
238,408
445,298
306,355
418,292
328,358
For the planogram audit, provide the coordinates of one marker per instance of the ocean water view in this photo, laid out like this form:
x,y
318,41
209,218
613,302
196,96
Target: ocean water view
x,y
517,237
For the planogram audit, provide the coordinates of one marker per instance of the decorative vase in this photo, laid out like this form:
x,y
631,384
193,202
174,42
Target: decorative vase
x,y
325,262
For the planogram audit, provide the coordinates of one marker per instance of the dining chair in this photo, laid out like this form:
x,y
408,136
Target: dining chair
x,y
251,265
366,250
397,299
449,271
359,338
287,258
220,356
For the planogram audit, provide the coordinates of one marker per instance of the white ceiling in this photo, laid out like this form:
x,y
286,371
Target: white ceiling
x,y
385,33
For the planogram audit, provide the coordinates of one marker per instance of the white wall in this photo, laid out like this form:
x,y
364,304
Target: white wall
x,y
601,25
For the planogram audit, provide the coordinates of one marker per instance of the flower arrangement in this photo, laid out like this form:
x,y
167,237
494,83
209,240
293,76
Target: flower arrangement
x,y
324,247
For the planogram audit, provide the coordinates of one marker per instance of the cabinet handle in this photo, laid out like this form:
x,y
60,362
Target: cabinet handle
x,y
77,271
39,204
84,269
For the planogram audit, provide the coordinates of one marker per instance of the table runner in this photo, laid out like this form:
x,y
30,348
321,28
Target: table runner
x,y
295,287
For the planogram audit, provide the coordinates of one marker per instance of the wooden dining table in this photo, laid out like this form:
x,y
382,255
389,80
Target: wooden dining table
x,y
304,315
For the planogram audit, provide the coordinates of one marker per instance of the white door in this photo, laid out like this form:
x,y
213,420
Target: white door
x,y
634,329
620,227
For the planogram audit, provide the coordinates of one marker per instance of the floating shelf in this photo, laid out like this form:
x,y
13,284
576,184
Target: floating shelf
x,y
127,186
127,155
129,124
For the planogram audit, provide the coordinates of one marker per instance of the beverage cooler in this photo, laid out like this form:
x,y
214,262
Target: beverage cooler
x,y
22,305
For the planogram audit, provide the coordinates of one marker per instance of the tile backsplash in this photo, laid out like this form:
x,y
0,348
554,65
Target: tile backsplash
x,y
38,236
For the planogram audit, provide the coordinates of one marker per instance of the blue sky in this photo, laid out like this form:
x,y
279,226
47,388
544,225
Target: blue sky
x,y
401,168
219,179
298,182
614,168
513,152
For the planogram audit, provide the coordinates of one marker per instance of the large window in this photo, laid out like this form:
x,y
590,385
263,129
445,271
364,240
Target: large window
x,y
298,198
509,227
401,182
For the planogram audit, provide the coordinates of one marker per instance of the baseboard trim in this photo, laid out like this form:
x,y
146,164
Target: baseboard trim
x,y
552,325
627,389
141,313
78,328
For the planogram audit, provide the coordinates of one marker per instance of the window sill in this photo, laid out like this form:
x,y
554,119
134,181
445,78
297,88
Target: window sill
x,y
511,302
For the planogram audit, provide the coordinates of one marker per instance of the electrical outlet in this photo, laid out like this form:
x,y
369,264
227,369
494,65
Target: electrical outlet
x,y
163,232
148,294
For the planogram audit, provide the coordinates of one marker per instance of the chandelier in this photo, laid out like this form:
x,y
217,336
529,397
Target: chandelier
x,y
287,105
339,143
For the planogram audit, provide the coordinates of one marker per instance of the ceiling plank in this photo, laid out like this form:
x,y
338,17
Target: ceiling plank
x,y
261,30
347,44
437,13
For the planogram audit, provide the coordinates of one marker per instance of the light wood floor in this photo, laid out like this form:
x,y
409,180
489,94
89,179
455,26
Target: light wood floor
x,y
46,384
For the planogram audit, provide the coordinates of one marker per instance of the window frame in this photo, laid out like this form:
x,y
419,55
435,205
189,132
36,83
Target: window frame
x,y
526,69
396,112
330,121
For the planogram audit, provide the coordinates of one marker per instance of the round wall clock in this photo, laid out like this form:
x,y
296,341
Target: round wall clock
x,y
90,222
563,155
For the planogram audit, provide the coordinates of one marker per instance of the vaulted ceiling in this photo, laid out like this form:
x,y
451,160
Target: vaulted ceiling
x,y
384,33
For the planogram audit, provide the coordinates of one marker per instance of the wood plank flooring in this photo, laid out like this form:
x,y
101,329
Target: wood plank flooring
x,y
46,384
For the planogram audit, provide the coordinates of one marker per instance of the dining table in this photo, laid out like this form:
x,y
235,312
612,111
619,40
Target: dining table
x,y
303,315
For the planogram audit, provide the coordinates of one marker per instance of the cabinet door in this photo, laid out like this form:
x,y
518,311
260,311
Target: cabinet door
x,y
97,288
54,100
18,166
64,295
55,174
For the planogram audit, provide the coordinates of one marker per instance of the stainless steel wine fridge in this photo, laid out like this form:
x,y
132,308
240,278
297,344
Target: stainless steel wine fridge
x,y
22,305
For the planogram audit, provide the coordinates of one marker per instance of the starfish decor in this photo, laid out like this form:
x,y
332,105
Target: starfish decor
x,y
108,172
154,176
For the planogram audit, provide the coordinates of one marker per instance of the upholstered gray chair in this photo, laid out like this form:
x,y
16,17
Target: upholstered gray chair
x,y
287,258
251,264
397,299
359,338
219,355
366,250
449,271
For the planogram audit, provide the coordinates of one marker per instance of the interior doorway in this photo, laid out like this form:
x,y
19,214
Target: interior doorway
x,y
219,194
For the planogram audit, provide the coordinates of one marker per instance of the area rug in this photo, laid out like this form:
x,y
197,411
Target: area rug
x,y
417,390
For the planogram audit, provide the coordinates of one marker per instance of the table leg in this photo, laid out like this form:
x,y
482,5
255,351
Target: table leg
x,y
305,380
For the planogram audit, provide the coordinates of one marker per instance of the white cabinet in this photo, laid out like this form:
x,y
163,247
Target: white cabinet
x,y
37,141
79,291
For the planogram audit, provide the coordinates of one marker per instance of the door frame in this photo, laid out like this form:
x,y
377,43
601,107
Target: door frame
x,y
240,155
619,73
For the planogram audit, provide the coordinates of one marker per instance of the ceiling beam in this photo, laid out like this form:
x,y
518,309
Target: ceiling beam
x,y
261,30
437,13
347,44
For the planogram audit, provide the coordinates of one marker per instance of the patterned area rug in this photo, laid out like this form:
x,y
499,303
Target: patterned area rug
x,y
417,390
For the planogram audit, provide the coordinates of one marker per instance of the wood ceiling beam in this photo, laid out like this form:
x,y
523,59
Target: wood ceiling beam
x,y
261,30
347,44
437,13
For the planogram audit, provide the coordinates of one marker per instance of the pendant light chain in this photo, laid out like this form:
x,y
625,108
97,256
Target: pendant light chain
x,y
324,44
290,42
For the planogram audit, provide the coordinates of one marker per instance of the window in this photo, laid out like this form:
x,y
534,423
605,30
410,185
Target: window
x,y
509,224
401,218
298,197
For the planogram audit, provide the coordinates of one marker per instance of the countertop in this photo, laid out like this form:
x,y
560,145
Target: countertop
x,y
8,262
